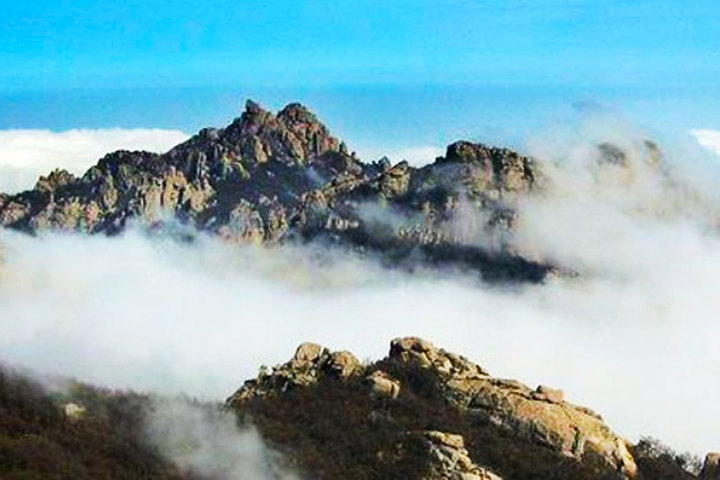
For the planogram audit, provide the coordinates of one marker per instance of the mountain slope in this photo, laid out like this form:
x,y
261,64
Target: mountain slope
x,y
44,436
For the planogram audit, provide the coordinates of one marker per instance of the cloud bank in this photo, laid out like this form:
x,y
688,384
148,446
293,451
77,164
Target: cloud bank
x,y
27,154
636,344
633,337
710,139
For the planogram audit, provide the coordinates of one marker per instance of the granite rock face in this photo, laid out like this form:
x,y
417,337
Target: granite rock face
x,y
417,409
539,415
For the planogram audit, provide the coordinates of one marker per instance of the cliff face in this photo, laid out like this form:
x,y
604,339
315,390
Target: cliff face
x,y
269,178
422,412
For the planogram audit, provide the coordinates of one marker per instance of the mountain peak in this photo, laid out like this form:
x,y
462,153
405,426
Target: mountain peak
x,y
270,177
297,113
252,106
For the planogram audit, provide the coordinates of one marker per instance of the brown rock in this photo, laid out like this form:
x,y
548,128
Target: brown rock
x,y
307,355
382,385
539,415
342,364
449,460
548,394
395,181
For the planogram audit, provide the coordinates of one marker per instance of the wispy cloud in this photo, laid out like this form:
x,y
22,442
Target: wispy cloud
x,y
27,154
206,440
710,139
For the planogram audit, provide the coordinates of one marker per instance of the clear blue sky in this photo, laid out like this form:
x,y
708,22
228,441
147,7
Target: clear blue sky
x,y
143,43
381,73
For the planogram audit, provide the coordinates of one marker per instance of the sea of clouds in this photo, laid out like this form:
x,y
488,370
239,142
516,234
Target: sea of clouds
x,y
634,336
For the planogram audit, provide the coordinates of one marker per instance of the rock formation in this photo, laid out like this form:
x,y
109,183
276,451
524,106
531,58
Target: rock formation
x,y
272,178
423,412
269,179
449,460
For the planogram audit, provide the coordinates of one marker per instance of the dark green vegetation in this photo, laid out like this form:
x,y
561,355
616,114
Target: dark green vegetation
x,y
38,440
660,462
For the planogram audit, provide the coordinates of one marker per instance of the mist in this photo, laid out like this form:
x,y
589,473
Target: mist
x,y
708,138
632,335
202,439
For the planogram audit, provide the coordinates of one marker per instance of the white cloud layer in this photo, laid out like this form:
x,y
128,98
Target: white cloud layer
x,y
635,337
27,154
710,139
638,344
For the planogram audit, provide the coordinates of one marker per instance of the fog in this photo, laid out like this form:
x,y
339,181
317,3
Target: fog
x,y
203,439
632,335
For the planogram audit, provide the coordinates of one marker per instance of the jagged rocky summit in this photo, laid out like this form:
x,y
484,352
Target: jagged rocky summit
x,y
275,178
423,412
271,179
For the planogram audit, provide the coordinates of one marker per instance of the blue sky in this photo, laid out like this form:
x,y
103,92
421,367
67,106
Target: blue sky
x,y
383,75
83,44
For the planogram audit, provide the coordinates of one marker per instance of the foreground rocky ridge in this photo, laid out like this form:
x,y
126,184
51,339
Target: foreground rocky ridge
x,y
274,178
422,412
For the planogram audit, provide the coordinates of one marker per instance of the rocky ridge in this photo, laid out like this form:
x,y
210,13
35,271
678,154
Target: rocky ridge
x,y
272,178
423,412
275,178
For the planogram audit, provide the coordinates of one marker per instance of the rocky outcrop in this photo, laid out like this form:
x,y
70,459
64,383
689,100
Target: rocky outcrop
x,y
449,460
515,431
540,415
272,178
310,363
